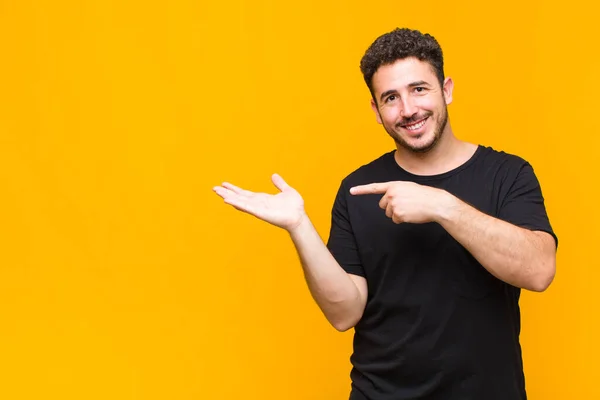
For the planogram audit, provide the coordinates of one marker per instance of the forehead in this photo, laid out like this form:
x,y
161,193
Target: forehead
x,y
401,73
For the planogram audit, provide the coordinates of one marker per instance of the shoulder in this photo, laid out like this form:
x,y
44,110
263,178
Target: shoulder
x,y
376,170
497,164
490,156
505,173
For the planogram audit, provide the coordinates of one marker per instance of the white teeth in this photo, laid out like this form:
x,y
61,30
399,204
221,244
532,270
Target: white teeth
x,y
413,127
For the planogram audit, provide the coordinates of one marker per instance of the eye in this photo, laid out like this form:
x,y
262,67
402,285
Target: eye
x,y
420,89
390,98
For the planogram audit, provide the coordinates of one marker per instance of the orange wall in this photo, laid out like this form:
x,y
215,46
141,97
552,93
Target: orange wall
x,y
122,275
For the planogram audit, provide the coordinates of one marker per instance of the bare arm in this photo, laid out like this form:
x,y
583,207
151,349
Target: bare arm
x,y
341,296
518,256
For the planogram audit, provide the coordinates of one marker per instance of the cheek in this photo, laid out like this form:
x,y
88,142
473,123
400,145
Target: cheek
x,y
438,104
389,116
427,104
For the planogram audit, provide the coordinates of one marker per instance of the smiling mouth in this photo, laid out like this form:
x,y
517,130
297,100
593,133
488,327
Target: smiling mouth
x,y
415,125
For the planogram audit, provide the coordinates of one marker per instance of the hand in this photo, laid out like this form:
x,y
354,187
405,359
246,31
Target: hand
x,y
406,201
284,209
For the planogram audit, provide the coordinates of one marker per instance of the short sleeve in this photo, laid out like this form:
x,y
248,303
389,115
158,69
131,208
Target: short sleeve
x,y
524,206
342,242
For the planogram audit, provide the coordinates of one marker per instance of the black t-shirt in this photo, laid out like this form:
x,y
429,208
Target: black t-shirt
x,y
436,325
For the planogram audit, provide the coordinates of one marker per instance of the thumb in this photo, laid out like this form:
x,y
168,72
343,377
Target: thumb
x,y
279,182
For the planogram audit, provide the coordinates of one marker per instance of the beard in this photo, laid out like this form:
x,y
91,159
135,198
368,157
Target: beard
x,y
438,130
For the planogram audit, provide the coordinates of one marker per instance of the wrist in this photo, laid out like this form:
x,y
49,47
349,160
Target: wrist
x,y
447,207
300,225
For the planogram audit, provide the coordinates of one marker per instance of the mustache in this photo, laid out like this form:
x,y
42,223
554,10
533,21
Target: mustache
x,y
414,118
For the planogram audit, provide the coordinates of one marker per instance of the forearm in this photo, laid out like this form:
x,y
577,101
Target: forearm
x,y
331,287
515,255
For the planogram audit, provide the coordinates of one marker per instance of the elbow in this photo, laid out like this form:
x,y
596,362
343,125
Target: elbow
x,y
343,326
343,315
544,277
540,285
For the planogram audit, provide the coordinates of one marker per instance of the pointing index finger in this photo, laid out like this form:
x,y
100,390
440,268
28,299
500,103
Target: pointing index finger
x,y
372,188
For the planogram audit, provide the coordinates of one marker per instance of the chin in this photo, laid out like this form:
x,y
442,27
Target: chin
x,y
422,149
417,145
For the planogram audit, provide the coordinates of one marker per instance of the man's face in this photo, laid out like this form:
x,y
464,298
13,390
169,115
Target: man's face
x,y
411,105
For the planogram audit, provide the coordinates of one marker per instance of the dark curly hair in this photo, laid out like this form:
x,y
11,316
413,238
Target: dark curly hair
x,y
397,45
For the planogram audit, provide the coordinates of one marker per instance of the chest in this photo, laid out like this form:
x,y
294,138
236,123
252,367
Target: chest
x,y
422,258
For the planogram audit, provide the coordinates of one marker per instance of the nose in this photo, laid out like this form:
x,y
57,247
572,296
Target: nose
x,y
408,108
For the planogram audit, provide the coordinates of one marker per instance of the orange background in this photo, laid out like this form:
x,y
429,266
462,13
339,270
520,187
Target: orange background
x,y
123,276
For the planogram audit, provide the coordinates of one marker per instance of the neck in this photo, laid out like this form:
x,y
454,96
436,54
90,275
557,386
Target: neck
x,y
448,153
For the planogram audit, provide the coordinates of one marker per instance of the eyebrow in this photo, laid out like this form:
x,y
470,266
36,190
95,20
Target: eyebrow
x,y
418,83
410,85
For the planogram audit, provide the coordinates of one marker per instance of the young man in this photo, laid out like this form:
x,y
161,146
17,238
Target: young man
x,y
430,244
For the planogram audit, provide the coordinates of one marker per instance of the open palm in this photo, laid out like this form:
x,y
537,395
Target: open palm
x,y
284,209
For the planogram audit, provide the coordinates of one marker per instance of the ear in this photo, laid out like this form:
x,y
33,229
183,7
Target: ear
x,y
448,88
376,111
